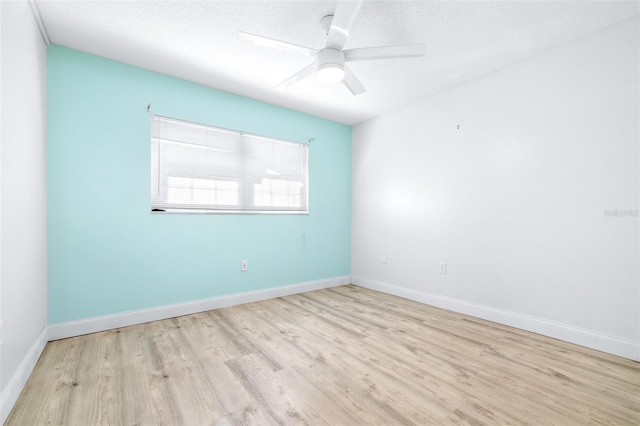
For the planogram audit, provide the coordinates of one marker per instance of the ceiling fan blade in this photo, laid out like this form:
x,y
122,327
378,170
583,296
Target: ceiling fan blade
x,y
276,44
300,75
343,19
384,52
352,82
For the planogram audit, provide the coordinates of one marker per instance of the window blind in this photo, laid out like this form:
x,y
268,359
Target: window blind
x,y
201,168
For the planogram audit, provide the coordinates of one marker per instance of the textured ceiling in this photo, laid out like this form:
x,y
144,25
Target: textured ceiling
x,y
197,41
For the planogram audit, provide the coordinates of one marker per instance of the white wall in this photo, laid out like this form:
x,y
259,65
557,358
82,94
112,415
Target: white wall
x,y
514,200
23,273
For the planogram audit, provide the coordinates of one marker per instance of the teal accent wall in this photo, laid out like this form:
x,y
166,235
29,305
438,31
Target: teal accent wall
x,y
109,254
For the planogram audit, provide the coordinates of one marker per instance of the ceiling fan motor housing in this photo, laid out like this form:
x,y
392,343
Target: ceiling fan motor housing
x,y
331,57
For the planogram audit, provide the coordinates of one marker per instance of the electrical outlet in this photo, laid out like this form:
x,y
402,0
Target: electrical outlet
x,y
443,268
384,258
244,266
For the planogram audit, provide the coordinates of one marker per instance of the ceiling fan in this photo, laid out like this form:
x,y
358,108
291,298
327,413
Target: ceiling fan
x,y
330,62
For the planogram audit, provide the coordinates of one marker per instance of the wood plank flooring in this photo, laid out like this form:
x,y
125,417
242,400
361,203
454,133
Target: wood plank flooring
x,y
340,356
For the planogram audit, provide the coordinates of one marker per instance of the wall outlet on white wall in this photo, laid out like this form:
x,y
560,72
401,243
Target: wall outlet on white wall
x,y
383,259
244,266
443,268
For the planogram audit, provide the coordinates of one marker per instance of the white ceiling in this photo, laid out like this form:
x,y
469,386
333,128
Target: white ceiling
x,y
197,41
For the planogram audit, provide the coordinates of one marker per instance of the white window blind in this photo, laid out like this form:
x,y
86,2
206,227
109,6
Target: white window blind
x,y
200,168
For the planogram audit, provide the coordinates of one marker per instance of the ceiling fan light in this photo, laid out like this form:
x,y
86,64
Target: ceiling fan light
x,y
330,66
330,74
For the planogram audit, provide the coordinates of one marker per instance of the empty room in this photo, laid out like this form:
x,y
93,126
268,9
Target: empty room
x,y
319,212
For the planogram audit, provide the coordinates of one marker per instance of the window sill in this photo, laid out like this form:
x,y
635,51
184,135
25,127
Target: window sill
x,y
243,212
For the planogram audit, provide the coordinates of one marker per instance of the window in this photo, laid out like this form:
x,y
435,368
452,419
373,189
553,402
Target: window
x,y
200,168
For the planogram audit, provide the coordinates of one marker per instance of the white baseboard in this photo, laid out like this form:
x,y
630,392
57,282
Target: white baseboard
x,y
124,319
19,380
568,333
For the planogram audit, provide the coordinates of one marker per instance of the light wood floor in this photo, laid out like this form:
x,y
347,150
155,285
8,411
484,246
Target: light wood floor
x,y
341,356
